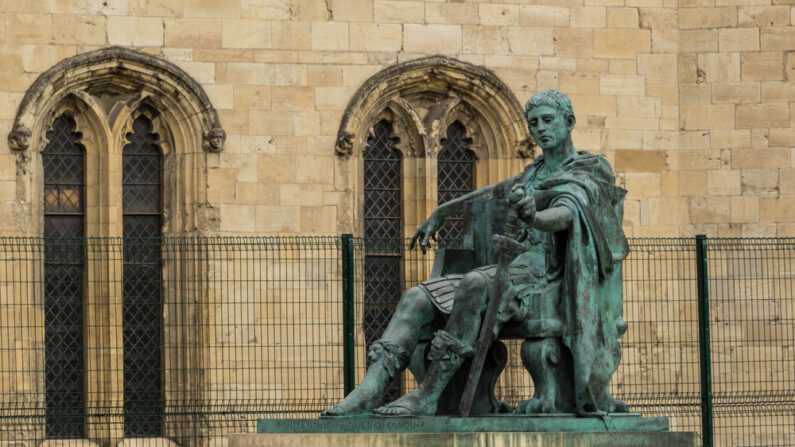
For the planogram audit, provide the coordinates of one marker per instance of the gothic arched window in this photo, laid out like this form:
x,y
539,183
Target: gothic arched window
x,y
112,330
455,176
142,309
383,229
64,211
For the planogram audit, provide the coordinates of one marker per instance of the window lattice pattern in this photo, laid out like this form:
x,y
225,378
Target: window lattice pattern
x,y
142,173
383,219
455,176
63,160
382,185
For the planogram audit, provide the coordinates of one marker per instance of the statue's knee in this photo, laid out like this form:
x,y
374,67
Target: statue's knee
x,y
414,302
473,282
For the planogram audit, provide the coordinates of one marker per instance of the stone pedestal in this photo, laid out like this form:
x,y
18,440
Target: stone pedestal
x,y
490,439
565,430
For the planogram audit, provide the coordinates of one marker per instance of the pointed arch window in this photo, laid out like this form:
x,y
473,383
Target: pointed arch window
x,y
383,230
455,176
64,213
142,307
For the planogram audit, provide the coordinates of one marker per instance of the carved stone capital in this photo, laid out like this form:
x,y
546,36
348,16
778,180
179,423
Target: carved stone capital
x,y
19,138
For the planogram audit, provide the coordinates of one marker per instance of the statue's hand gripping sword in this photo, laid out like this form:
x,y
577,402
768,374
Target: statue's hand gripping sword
x,y
508,247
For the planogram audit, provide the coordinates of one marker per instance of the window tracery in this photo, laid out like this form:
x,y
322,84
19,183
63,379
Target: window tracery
x,y
423,98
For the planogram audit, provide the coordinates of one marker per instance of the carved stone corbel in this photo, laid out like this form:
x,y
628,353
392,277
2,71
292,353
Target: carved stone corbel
x,y
214,140
19,137
526,148
344,146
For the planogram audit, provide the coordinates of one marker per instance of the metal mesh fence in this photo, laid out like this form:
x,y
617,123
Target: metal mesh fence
x,y
256,327
249,328
752,331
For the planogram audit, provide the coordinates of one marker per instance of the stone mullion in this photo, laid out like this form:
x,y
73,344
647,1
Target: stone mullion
x,y
103,309
103,341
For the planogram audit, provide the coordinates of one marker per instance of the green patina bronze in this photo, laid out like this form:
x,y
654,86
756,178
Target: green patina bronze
x,y
443,424
556,285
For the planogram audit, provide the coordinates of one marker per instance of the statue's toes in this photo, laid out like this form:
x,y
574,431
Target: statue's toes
x,y
333,412
591,412
618,406
393,411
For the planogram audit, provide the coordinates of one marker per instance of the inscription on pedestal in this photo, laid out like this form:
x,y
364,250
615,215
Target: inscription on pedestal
x,y
442,424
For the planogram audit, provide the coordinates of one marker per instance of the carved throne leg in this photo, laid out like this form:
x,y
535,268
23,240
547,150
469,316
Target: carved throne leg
x,y
549,363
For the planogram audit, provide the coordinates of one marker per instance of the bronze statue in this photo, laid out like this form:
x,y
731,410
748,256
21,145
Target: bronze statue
x,y
567,226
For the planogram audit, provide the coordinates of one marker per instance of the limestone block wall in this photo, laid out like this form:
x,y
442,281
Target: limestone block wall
x,y
690,100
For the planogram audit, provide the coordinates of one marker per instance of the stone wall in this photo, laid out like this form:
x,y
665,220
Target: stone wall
x,y
689,100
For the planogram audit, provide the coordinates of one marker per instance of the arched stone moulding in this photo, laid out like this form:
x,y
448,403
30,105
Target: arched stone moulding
x,y
458,87
121,71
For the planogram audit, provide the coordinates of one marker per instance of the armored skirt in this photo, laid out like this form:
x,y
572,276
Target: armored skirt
x,y
530,288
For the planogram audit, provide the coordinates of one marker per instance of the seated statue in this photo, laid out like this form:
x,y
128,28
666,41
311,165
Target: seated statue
x,y
569,214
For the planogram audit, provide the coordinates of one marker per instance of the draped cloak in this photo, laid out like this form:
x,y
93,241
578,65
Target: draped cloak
x,y
591,292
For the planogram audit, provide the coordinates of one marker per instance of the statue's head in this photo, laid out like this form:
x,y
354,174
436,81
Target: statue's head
x,y
550,98
550,117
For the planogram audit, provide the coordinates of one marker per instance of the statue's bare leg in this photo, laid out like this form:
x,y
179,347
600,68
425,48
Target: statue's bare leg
x,y
390,355
449,349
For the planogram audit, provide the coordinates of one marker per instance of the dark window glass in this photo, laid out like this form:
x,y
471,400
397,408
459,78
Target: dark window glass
x,y
64,172
383,230
455,177
142,320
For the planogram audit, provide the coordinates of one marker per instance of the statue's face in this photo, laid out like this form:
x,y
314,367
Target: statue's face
x,y
548,126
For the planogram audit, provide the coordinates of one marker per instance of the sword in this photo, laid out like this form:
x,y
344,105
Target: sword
x,y
508,247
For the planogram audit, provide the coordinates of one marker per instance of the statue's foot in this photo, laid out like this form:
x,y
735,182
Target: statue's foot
x,y
617,406
590,411
361,400
536,405
413,404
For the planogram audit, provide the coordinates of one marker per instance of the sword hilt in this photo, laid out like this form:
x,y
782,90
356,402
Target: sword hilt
x,y
508,244
512,220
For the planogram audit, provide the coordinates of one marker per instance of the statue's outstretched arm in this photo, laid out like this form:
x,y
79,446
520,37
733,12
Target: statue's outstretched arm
x,y
456,206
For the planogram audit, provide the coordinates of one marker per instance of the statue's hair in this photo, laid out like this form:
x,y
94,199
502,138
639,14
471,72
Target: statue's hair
x,y
550,98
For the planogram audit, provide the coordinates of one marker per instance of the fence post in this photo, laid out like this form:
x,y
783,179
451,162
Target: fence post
x,y
703,340
349,361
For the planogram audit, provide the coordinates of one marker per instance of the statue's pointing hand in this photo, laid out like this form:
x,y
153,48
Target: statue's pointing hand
x,y
426,231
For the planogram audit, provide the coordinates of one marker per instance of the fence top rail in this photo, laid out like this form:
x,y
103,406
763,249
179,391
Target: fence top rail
x,y
175,240
335,241
751,243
